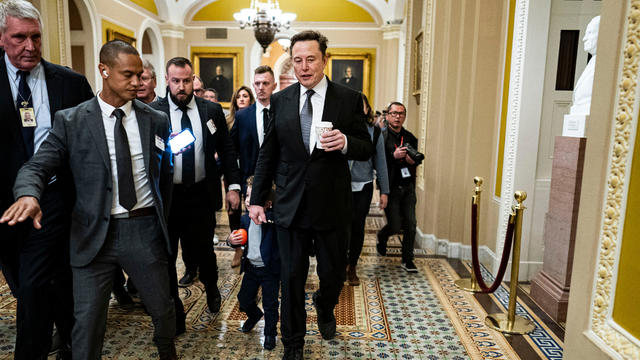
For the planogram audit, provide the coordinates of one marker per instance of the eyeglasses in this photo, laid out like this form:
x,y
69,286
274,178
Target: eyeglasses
x,y
198,91
396,113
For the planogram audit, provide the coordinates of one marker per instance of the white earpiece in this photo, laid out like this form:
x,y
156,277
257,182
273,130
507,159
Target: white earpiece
x,y
104,72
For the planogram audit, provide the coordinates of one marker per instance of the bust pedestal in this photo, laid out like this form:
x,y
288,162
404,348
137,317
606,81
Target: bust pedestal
x,y
550,288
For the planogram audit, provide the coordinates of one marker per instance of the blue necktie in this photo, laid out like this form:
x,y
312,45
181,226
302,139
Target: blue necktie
x,y
188,156
306,118
126,187
24,96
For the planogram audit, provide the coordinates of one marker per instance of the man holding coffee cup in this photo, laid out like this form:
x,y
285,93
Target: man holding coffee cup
x,y
316,127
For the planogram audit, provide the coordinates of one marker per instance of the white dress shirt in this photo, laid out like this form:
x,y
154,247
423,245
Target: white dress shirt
x,y
196,127
39,96
140,180
259,123
317,104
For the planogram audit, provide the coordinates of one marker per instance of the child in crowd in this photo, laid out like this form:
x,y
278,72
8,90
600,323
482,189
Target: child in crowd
x,y
261,267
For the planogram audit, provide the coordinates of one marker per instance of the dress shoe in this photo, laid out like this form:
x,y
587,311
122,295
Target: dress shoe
x,y
352,277
168,354
123,298
214,300
181,326
269,342
381,245
188,279
251,322
326,321
293,353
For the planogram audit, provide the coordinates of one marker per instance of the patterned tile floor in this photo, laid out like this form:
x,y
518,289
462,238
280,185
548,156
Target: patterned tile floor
x,y
392,315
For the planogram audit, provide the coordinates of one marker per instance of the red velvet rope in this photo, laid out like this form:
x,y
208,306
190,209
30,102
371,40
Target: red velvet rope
x,y
474,252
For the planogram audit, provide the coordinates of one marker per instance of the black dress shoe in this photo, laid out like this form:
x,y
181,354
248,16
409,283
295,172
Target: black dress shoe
x,y
251,322
187,279
269,342
293,353
326,322
381,245
214,300
181,326
123,298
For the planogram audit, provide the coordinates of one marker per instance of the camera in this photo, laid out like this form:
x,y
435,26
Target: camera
x,y
414,154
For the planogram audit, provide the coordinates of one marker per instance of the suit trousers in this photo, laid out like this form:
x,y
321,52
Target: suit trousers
x,y
361,205
192,221
401,214
137,245
330,248
255,278
44,290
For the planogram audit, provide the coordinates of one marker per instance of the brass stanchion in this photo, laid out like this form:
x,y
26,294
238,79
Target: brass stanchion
x,y
471,284
511,323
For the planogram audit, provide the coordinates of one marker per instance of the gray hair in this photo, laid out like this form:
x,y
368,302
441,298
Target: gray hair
x,y
147,65
19,9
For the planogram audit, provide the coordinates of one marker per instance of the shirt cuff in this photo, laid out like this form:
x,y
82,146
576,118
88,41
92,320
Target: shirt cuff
x,y
346,145
235,187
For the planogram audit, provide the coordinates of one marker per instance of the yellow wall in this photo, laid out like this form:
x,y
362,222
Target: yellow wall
x,y
625,309
148,5
106,25
325,10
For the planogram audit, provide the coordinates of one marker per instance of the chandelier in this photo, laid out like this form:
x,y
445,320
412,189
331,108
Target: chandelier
x,y
266,18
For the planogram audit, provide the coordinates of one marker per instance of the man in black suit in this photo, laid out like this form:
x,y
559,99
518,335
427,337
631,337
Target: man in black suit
x,y
350,81
197,189
35,262
116,148
251,123
312,205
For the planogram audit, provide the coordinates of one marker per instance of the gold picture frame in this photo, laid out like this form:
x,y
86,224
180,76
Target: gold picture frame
x,y
116,35
360,62
207,61
417,58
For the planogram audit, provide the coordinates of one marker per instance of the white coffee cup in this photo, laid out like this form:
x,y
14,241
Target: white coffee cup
x,y
321,128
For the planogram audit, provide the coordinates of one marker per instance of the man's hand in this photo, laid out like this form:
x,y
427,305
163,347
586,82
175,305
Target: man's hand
x,y
235,238
256,213
332,140
233,201
384,200
400,153
25,207
409,160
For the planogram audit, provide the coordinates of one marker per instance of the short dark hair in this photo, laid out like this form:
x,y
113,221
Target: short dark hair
x,y
110,51
178,61
212,90
310,35
264,69
397,103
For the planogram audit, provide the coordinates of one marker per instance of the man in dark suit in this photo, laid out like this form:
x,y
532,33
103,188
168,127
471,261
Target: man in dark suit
x,y
312,205
35,262
251,123
349,80
197,189
116,148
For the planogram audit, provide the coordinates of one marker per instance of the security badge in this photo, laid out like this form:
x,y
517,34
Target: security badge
x,y
211,126
405,173
27,115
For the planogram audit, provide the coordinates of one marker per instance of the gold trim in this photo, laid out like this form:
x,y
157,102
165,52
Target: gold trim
x,y
418,50
208,52
428,14
619,161
367,55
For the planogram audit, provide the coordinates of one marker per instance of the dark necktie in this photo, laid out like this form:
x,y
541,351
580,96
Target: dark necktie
x,y
126,187
24,101
306,118
265,120
188,156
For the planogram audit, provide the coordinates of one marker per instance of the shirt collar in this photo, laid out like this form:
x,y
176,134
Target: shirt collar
x,y
12,70
174,107
320,88
107,109
260,107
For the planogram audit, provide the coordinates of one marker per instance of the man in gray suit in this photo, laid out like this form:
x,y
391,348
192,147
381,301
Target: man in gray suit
x,y
116,148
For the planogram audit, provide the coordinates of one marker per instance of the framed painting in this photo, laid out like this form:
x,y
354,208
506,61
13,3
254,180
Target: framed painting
x,y
116,35
353,68
220,69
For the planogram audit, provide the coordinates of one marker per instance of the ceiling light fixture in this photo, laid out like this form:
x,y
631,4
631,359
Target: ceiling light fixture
x,y
266,18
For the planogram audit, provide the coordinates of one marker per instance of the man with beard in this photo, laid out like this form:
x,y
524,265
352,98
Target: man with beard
x,y
197,190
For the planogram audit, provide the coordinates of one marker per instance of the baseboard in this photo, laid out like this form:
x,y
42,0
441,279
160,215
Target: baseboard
x,y
456,250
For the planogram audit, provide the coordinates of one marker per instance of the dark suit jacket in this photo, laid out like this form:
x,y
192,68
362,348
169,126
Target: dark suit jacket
x,y
78,139
245,137
219,142
268,245
65,89
320,181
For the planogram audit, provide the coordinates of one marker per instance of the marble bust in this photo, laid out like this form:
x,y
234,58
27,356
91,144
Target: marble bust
x,y
584,86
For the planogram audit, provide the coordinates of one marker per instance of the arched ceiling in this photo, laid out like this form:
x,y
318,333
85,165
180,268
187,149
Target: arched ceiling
x,y
306,11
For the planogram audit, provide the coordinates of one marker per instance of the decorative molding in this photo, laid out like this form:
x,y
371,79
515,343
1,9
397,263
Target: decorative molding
x,y
408,40
391,31
172,31
63,33
515,101
428,17
620,157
